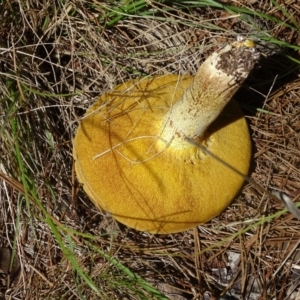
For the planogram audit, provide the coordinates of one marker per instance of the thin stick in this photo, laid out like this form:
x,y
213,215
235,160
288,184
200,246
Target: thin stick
x,y
278,196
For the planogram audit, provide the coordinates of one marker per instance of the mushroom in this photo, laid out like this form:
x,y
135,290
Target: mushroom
x,y
132,151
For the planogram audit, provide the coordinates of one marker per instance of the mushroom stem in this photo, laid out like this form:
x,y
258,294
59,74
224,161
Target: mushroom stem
x,y
216,81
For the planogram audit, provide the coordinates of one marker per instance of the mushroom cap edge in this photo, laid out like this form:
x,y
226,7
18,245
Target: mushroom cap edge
x,y
143,185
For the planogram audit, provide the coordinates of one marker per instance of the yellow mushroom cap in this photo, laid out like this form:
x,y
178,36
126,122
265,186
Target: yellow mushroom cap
x,y
129,171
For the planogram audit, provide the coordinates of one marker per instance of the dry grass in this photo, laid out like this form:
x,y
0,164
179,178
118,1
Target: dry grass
x,y
56,58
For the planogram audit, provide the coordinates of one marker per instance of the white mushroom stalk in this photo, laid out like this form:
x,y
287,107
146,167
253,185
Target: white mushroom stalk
x,y
216,81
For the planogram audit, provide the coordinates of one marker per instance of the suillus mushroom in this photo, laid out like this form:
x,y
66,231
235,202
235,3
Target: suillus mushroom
x,y
131,150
